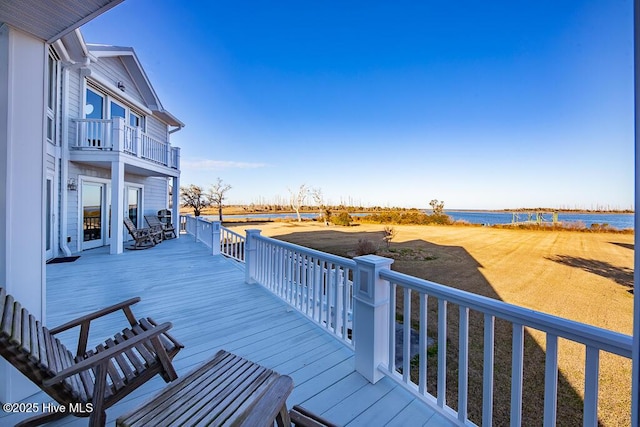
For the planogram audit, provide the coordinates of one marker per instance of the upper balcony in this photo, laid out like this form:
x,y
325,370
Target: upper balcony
x,y
100,140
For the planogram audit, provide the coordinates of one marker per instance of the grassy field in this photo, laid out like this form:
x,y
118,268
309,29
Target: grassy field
x,y
586,277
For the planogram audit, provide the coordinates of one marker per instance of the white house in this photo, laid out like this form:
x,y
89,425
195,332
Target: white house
x,y
114,150
84,141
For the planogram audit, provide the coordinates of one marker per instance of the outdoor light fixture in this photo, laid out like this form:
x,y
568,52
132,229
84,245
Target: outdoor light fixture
x,y
120,86
71,184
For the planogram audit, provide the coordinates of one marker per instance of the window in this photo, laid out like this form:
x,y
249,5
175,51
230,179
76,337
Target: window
x,y
136,120
94,106
52,90
118,110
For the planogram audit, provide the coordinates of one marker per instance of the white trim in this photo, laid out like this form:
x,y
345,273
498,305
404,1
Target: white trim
x,y
52,207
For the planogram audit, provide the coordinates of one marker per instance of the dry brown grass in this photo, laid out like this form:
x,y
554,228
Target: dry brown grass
x,y
584,277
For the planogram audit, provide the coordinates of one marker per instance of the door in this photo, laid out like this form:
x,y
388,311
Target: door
x,y
133,206
94,222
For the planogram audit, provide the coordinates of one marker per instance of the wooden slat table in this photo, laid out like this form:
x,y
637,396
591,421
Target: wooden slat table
x,y
227,390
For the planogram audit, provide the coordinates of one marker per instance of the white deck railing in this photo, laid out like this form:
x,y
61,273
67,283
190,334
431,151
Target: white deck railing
x,y
116,135
232,244
317,284
229,243
321,286
595,340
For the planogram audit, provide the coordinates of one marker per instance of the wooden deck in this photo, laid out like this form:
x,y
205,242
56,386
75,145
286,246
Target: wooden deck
x,y
179,281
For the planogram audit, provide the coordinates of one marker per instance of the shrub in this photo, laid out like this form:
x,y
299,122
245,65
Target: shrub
x,y
365,247
343,218
389,234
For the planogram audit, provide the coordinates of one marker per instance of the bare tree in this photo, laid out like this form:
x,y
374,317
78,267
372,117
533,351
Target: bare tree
x,y
318,198
297,199
193,197
437,206
217,195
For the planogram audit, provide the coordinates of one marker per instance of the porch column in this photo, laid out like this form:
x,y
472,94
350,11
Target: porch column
x,y
250,256
117,207
22,189
371,316
175,204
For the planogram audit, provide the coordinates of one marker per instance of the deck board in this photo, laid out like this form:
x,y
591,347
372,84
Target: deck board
x,y
211,308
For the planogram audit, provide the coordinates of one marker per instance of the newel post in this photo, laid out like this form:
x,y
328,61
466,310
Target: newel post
x,y
117,134
371,316
215,237
250,256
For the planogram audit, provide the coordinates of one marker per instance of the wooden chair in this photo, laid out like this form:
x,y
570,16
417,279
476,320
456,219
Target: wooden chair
x,y
89,381
301,417
144,237
168,231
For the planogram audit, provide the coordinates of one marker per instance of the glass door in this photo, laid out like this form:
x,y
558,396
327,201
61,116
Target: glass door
x,y
133,206
93,214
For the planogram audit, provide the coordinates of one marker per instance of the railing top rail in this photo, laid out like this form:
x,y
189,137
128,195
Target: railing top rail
x,y
604,339
345,262
233,233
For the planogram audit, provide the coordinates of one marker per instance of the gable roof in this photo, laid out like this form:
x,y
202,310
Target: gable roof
x,y
51,19
132,64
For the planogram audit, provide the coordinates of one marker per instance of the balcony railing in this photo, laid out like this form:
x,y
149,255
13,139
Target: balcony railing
x,y
116,135
360,300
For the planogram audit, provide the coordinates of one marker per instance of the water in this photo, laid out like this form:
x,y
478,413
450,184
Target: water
x,y
619,221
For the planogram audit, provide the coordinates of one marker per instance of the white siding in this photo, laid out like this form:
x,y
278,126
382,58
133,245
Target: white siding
x,y
156,192
74,101
113,70
157,129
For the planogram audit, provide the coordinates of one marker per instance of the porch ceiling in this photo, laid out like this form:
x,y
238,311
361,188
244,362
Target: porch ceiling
x,y
49,20
142,168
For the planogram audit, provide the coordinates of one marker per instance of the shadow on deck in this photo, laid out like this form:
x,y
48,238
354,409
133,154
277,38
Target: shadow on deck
x,y
211,308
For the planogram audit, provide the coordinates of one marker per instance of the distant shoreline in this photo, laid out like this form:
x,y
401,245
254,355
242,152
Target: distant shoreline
x,y
240,210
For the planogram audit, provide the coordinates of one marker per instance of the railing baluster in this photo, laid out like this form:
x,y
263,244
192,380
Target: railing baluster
x,y
551,381
392,326
487,370
463,363
406,336
591,380
517,362
424,342
442,352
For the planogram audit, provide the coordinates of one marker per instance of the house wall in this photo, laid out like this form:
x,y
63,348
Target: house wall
x,y
74,98
22,150
113,70
154,196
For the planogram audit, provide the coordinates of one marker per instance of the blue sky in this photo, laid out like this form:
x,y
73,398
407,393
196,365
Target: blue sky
x,y
490,105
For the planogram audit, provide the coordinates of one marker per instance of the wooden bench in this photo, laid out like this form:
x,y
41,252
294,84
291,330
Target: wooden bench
x,y
227,390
